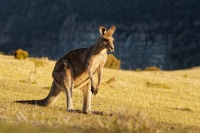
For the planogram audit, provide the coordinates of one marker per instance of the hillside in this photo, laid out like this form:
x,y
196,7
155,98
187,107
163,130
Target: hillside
x,y
167,100
149,33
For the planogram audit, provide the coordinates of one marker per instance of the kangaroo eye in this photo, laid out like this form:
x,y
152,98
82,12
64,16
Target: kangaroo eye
x,y
105,40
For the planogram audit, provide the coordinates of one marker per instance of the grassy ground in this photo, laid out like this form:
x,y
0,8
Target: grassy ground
x,y
166,101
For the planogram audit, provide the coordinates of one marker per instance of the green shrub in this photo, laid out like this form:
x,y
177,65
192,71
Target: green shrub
x,y
152,68
185,76
138,69
1,53
157,85
111,80
21,54
38,63
112,62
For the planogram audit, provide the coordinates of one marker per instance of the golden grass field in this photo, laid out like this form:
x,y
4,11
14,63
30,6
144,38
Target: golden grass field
x,y
161,101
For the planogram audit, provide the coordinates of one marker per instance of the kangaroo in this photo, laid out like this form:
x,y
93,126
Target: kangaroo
x,y
76,69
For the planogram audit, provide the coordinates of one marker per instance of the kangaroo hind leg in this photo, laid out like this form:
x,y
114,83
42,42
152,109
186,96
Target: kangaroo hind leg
x,y
68,84
87,96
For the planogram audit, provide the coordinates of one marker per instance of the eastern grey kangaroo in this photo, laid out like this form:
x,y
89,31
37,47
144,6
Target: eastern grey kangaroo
x,y
76,69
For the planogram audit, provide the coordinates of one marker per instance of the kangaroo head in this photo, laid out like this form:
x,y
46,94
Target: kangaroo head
x,y
106,39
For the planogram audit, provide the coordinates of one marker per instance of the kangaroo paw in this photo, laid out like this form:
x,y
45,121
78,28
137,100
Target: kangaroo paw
x,y
87,112
94,90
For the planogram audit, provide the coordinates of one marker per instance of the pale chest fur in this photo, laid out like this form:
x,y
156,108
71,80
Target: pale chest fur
x,y
99,60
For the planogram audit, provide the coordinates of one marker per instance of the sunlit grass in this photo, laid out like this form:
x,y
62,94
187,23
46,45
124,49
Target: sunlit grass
x,y
170,100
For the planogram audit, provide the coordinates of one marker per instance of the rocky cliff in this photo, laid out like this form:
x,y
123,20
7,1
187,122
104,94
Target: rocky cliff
x,y
158,33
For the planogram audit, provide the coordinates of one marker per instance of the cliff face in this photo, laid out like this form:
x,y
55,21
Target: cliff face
x,y
165,34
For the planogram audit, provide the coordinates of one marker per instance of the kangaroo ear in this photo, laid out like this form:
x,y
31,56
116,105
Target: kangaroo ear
x,y
112,29
102,30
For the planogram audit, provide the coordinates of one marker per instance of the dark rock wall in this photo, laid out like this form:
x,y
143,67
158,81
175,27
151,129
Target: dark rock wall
x,y
158,33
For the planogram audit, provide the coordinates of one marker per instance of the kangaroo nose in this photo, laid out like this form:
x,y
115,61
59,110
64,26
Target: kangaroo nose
x,y
112,49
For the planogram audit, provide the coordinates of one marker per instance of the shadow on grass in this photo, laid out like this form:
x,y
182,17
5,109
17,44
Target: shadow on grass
x,y
176,127
183,109
72,111
92,112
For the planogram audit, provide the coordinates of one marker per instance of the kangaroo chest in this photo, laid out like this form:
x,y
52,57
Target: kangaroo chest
x,y
99,61
81,76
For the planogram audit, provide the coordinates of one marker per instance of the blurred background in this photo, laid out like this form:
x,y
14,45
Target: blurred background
x,y
161,33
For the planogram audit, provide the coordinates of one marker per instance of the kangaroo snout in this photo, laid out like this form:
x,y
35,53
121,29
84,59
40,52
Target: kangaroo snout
x,y
111,49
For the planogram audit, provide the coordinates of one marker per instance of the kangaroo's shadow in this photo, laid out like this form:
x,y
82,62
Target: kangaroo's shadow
x,y
81,112
92,112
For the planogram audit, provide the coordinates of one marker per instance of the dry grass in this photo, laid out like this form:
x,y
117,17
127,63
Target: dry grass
x,y
170,100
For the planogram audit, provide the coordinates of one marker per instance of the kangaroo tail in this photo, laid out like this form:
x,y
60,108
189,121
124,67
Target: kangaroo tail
x,y
33,102
49,100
